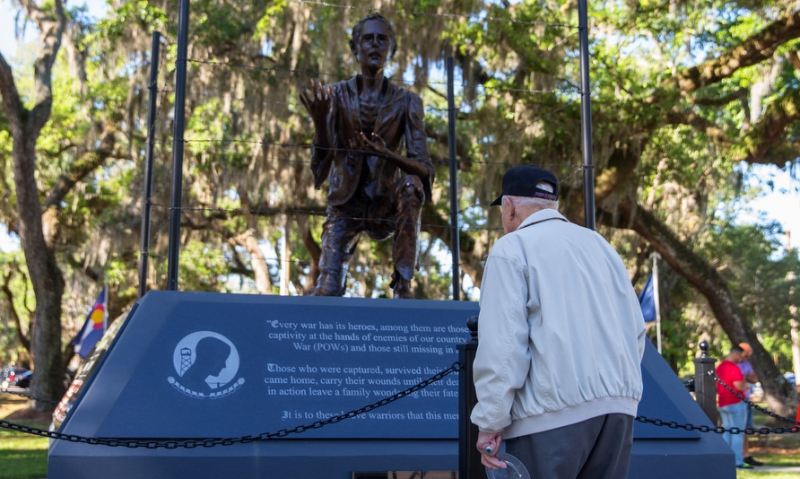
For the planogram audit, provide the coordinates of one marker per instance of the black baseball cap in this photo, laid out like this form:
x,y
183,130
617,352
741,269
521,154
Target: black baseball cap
x,y
522,181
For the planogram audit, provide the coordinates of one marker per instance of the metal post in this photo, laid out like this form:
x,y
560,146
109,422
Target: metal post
x,y
656,301
455,247
144,243
469,459
705,389
586,117
177,148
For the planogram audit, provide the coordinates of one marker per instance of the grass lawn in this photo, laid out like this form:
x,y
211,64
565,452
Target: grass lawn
x,y
22,456
778,450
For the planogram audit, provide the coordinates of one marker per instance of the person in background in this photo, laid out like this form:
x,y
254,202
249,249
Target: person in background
x,y
751,378
732,410
558,368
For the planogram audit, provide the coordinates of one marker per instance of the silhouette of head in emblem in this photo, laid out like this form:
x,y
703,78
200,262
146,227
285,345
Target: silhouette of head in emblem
x,y
211,356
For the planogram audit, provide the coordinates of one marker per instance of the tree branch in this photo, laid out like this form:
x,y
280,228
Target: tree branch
x,y
723,100
712,286
757,48
12,103
762,143
23,340
80,168
51,31
794,58
704,126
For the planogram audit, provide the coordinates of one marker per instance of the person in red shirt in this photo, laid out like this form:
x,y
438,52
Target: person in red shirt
x,y
732,409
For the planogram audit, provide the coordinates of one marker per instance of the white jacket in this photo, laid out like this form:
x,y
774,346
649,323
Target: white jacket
x,y
561,333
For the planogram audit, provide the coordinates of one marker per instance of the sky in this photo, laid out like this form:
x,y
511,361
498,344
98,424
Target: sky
x,y
781,203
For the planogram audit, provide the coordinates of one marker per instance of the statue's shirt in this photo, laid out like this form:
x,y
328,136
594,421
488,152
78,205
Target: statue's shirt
x,y
368,114
368,107
397,115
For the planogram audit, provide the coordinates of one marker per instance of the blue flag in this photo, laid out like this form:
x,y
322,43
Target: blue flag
x,y
94,327
647,301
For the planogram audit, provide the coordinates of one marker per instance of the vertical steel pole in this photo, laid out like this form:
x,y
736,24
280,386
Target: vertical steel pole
x,y
144,243
177,148
586,117
657,300
469,459
455,247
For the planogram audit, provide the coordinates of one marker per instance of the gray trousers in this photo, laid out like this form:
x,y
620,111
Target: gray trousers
x,y
598,448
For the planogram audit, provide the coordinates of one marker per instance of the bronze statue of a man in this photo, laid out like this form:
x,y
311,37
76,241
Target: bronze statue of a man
x,y
361,126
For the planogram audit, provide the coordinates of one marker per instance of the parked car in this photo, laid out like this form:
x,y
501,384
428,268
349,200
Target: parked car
x,y
19,377
23,380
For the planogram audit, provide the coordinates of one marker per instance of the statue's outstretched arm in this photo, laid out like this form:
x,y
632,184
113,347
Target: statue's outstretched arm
x,y
320,102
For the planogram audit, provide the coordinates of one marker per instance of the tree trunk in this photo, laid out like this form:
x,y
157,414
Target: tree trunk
x,y
314,251
25,126
48,282
794,332
250,243
780,396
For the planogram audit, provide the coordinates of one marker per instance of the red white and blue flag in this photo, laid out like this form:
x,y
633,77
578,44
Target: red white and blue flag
x,y
94,327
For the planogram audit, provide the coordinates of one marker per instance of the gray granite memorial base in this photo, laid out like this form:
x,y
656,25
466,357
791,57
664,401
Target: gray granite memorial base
x,y
265,363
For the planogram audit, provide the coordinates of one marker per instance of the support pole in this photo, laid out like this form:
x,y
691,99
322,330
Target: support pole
x,y
656,301
177,148
469,459
455,247
705,390
586,117
144,243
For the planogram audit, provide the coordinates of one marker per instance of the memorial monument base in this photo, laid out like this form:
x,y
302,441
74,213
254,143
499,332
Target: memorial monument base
x,y
289,361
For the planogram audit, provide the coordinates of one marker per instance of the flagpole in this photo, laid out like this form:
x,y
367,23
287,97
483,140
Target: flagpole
x,y
105,306
656,257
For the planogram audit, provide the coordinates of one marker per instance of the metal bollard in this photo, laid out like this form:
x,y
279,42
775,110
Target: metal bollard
x,y
469,459
705,389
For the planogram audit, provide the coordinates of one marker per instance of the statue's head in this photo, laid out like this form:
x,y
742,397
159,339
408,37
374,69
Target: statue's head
x,y
373,27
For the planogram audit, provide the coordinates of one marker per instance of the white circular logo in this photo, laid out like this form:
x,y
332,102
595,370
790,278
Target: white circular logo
x,y
205,363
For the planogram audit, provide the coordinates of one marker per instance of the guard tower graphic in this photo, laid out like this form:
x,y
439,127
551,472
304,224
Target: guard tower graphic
x,y
186,359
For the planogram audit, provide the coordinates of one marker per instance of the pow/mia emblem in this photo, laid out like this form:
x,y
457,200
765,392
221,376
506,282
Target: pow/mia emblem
x,y
206,364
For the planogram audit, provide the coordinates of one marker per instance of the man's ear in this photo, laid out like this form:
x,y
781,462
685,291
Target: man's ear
x,y
508,207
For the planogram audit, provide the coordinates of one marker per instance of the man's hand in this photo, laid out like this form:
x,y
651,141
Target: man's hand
x,y
318,100
492,441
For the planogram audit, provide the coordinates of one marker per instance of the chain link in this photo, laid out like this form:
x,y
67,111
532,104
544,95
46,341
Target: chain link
x,y
719,429
750,403
28,396
455,367
211,442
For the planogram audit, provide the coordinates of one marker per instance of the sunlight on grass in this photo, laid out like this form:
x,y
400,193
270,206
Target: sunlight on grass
x,y
22,457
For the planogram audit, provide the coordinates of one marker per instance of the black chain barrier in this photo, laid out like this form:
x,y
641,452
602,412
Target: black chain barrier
x,y
719,429
211,442
28,396
455,367
751,403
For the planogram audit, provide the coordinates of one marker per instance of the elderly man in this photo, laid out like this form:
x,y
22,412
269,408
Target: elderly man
x,y
561,337
361,126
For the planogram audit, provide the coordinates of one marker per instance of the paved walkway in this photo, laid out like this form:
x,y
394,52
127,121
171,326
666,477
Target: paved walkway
x,y
776,469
